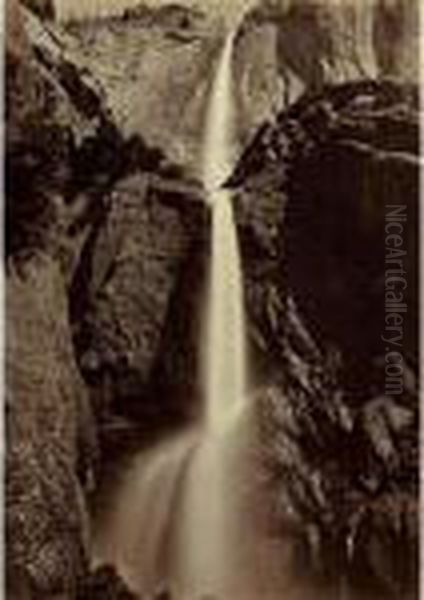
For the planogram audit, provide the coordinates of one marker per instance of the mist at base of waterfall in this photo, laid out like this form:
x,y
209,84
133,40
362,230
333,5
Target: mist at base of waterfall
x,y
208,530
191,514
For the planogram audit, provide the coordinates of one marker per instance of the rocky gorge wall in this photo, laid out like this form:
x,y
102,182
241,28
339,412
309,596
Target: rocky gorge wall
x,y
312,285
107,241
76,242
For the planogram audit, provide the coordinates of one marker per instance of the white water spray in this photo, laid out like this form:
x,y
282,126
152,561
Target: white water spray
x,y
225,365
207,531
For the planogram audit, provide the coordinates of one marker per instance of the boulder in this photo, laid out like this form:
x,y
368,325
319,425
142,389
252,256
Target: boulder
x,y
105,584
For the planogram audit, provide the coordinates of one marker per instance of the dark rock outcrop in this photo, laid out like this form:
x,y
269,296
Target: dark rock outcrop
x,y
105,584
133,267
43,8
339,447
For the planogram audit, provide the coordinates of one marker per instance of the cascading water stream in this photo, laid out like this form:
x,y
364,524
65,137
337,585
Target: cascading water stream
x,y
206,531
186,493
225,367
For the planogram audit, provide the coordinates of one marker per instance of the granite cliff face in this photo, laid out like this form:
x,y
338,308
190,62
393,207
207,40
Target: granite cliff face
x,y
159,84
334,42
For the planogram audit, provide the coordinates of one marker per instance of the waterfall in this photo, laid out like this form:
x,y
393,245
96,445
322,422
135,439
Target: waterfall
x,y
225,364
207,531
177,518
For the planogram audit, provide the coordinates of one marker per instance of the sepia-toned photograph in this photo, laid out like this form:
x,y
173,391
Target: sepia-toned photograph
x,y
211,299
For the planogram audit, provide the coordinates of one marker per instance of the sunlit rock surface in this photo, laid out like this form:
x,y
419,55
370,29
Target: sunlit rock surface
x,y
154,63
336,41
155,73
49,432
